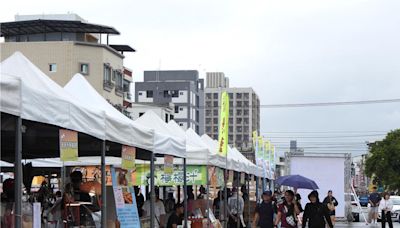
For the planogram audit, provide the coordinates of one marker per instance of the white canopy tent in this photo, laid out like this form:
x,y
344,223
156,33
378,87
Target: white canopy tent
x,y
29,93
166,141
119,128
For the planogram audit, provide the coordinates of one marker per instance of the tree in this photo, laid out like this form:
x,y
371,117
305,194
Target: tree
x,y
383,160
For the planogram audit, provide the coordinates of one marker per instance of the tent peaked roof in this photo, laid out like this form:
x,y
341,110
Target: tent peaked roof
x,y
119,128
42,100
176,128
165,140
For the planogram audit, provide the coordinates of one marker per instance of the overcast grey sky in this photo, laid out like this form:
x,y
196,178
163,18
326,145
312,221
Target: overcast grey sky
x,y
289,51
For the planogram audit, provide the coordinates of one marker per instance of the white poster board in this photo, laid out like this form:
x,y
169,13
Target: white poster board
x,y
327,172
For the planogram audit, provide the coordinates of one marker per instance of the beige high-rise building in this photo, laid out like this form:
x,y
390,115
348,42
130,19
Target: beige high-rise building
x,y
216,80
244,115
64,44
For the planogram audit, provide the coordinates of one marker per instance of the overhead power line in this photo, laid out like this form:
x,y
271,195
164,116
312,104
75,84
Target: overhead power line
x,y
321,136
318,104
335,103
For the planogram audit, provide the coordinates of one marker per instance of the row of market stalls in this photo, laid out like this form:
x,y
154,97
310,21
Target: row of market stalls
x,y
34,109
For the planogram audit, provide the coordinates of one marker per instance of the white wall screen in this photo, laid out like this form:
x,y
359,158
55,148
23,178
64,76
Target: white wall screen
x,y
327,172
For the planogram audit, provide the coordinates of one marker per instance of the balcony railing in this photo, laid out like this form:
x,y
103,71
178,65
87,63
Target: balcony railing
x,y
119,91
108,85
128,97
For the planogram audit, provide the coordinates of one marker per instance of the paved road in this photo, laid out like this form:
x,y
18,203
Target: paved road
x,y
361,224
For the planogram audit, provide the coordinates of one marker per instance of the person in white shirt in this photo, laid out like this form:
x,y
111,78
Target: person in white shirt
x,y
385,207
235,212
159,210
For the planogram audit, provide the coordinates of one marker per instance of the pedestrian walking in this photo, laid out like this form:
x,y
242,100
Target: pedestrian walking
x,y
264,215
235,209
287,211
374,199
386,207
315,213
331,202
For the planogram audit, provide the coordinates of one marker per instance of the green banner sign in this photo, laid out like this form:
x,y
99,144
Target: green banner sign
x,y
195,175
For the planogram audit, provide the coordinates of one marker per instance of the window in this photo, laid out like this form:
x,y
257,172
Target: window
x,y
53,67
215,95
175,93
166,93
208,95
230,129
176,109
84,68
208,120
107,73
215,120
181,124
238,112
140,93
215,112
239,120
180,93
208,129
171,117
208,104
215,103
149,93
141,114
166,117
119,81
180,108
238,104
230,95
239,129
239,96
246,96
231,112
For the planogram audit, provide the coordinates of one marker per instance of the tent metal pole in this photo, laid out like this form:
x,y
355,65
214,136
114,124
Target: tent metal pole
x,y
152,190
257,192
248,200
185,195
18,173
103,186
226,216
237,199
208,198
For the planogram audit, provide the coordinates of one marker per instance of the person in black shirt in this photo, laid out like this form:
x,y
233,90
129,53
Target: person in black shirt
x,y
331,202
315,213
264,216
176,218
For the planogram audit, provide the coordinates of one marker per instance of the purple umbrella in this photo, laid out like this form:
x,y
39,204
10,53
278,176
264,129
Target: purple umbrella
x,y
297,181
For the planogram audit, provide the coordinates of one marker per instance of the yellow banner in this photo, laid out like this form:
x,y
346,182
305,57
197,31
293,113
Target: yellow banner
x,y
68,145
168,164
128,156
223,125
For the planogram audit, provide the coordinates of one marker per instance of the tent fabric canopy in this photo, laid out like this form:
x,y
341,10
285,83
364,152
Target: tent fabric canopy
x,y
166,141
119,128
40,99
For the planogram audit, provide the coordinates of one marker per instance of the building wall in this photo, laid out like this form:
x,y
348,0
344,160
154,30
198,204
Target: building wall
x,y
244,115
68,55
182,88
165,113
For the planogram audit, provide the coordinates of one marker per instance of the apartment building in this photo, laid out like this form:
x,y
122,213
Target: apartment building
x,y
244,115
62,45
183,88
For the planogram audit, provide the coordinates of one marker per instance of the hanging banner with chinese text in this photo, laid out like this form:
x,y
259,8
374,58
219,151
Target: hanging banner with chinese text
x,y
223,125
195,175
68,145
168,164
128,156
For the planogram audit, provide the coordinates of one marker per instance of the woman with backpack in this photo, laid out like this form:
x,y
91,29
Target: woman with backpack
x,y
287,211
315,213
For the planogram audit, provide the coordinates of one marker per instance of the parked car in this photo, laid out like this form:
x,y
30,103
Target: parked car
x,y
355,211
364,200
396,209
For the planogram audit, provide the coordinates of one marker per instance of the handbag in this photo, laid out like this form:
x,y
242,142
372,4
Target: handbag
x,y
290,219
331,206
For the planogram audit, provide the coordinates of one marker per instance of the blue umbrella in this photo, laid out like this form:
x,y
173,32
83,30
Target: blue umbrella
x,y
297,181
